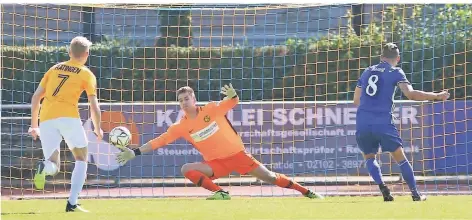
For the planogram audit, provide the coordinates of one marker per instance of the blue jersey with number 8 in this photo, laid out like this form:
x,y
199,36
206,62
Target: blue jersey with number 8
x,y
378,83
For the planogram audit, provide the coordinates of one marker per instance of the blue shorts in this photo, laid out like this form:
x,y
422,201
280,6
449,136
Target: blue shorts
x,y
371,137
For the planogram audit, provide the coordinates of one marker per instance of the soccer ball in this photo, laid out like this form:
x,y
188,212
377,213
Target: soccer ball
x,y
120,137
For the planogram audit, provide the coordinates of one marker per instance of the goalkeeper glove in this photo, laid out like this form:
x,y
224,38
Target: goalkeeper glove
x,y
228,91
127,154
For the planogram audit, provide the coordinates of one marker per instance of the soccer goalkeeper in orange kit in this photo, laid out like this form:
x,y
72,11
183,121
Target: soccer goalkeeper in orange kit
x,y
211,133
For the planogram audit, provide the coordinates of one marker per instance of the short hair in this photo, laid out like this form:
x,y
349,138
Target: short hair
x,y
185,89
79,45
390,51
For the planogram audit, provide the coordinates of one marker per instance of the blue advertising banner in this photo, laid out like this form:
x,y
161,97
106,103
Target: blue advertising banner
x,y
295,138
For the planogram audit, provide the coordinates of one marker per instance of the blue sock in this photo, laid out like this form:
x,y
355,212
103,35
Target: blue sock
x,y
408,175
374,170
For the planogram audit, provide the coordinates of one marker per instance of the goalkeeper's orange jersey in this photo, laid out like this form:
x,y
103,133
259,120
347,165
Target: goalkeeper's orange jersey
x,y
64,83
210,132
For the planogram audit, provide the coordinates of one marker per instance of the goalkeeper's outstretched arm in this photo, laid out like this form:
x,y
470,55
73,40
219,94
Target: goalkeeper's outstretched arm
x,y
418,95
164,139
230,100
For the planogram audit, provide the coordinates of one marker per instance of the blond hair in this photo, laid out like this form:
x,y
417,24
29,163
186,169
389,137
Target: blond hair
x,y
185,89
78,46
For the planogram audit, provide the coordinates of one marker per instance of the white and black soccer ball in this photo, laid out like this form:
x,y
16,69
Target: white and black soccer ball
x,y
120,137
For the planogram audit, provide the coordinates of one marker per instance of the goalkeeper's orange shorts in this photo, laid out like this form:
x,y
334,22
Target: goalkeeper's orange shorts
x,y
241,162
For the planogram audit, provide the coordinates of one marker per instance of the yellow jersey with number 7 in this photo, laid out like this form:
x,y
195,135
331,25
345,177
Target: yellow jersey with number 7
x,y
64,83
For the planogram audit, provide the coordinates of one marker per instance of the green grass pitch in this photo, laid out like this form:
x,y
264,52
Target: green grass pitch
x,y
276,208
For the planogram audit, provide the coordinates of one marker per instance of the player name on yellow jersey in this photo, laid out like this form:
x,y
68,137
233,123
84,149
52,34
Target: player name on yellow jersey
x,y
67,68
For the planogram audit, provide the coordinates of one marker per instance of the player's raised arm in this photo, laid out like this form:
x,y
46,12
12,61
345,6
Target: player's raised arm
x,y
231,99
419,95
164,139
90,85
416,95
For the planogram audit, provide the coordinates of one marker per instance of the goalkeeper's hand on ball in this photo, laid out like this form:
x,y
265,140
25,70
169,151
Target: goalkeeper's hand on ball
x,y
125,155
228,91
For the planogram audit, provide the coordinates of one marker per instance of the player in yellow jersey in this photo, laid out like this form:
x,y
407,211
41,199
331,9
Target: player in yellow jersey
x,y
60,89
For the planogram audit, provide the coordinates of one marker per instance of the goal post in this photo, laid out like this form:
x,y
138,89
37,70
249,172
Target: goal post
x,y
295,68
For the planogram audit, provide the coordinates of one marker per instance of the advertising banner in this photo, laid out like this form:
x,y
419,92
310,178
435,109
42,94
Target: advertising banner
x,y
294,138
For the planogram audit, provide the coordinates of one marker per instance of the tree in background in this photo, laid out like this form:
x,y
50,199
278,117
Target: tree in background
x,y
434,41
175,28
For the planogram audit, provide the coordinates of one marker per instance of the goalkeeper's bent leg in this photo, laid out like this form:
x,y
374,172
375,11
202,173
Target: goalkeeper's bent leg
x,y
199,174
201,180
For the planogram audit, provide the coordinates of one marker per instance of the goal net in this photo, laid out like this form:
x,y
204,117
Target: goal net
x,y
295,68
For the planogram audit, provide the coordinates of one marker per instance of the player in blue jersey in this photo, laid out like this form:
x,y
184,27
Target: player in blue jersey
x,y
374,122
